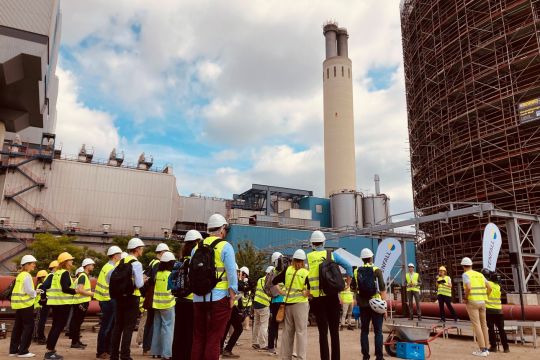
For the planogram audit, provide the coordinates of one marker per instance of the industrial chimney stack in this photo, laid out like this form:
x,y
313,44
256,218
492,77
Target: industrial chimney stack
x,y
339,149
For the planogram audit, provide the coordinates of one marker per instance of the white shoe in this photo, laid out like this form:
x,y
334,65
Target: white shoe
x,y
12,355
27,355
479,353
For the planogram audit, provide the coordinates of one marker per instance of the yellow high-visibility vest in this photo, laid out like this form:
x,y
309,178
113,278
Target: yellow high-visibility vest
x,y
223,284
20,299
413,279
494,298
55,295
297,285
163,299
377,295
37,305
315,258
102,286
478,291
79,298
446,288
260,296
127,259
347,296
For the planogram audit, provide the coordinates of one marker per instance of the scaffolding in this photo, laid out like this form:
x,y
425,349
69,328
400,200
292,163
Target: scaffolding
x,y
468,66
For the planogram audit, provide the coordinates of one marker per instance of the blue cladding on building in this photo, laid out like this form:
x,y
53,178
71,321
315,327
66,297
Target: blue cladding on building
x,y
321,212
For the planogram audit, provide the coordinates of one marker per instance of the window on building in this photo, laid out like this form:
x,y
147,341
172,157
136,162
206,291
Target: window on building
x,y
334,71
318,209
342,71
327,73
349,71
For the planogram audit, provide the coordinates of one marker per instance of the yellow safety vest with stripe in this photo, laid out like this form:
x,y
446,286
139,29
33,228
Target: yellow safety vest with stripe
x,y
478,291
296,285
127,259
102,286
55,295
412,279
494,298
154,262
445,288
355,274
223,284
79,298
163,299
20,299
315,258
246,300
347,296
260,295
37,305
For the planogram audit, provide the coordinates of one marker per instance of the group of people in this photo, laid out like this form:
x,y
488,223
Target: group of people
x,y
205,322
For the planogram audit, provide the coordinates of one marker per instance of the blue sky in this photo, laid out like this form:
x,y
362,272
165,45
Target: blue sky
x,y
230,93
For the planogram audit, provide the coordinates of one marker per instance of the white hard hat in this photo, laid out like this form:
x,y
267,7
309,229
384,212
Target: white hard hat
x,y
28,259
378,305
317,237
123,254
135,243
113,250
216,221
276,256
193,235
299,255
410,265
269,269
167,256
162,247
87,262
466,261
366,253
79,270
245,270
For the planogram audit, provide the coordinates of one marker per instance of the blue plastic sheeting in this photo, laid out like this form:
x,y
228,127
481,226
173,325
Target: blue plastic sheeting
x,y
324,217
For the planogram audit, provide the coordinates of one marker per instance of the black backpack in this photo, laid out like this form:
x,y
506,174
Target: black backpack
x,y
121,282
179,279
6,294
330,277
366,282
202,269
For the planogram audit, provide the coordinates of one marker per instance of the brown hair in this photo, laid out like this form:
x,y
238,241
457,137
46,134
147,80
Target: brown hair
x,y
298,264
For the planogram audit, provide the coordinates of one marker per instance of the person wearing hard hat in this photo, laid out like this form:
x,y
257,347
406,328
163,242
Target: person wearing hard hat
x,y
163,304
44,310
183,325
81,302
22,301
494,315
444,294
346,299
247,298
60,299
106,304
242,300
38,306
278,262
261,313
370,284
413,291
477,289
296,291
213,309
326,307
151,272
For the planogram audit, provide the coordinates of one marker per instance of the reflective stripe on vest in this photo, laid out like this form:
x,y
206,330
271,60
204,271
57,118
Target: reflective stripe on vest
x,y
347,296
79,298
315,258
127,259
260,295
297,286
163,299
410,280
446,288
55,295
355,274
101,293
20,299
220,266
478,291
494,298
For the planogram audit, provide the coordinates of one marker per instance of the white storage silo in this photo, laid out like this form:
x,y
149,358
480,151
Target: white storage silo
x,y
346,207
376,210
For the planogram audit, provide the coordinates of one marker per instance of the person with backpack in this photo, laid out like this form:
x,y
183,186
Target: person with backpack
x,y
106,304
370,285
279,264
81,302
38,302
183,323
325,305
238,315
261,313
22,301
44,310
413,292
214,282
163,303
126,280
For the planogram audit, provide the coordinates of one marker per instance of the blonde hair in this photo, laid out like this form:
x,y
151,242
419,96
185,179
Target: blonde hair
x,y
298,264
63,265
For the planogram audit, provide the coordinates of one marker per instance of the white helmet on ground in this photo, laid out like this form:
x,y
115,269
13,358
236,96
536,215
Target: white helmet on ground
x,y
193,235
275,257
245,270
123,254
378,305
317,237
135,243
466,261
113,250
87,261
366,253
269,269
162,247
216,221
27,259
79,270
167,256
299,255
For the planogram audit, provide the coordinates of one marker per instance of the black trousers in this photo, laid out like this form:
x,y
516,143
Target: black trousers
x,y
127,311
60,314
148,330
236,322
183,330
448,301
21,336
43,315
326,310
273,326
496,320
77,318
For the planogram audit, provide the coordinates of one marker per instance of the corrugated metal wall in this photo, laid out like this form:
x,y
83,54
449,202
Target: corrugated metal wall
x,y
324,217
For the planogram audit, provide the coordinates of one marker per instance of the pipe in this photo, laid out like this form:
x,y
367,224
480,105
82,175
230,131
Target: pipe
x,y
330,34
342,43
377,185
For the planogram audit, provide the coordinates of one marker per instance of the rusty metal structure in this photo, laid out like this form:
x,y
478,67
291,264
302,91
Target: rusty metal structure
x,y
472,73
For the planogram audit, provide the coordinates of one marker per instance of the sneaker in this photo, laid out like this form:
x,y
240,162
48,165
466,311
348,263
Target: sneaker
x,y
77,346
102,356
12,355
83,344
27,355
53,356
272,352
229,355
350,327
256,346
492,349
480,353
507,350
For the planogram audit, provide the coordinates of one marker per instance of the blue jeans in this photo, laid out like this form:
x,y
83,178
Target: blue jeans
x,y
108,313
162,338
366,316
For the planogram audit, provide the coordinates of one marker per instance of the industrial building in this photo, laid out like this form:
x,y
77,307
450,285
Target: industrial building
x,y
472,74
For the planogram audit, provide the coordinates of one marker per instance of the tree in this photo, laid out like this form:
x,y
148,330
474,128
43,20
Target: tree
x,y
255,260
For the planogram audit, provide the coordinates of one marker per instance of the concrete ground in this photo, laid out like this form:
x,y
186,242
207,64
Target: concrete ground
x,y
453,348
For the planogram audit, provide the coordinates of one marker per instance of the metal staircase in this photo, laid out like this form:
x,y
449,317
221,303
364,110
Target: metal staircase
x,y
11,233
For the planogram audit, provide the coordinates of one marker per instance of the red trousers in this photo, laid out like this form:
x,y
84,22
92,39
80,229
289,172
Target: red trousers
x,y
209,322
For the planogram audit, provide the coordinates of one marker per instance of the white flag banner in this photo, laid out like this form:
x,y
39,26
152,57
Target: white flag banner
x,y
388,252
491,246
